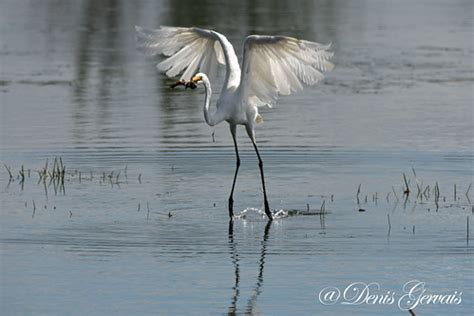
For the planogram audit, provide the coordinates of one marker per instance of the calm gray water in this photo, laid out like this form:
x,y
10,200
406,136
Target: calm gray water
x,y
73,85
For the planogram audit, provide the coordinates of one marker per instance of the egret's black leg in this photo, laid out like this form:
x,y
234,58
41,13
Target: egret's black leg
x,y
233,131
260,164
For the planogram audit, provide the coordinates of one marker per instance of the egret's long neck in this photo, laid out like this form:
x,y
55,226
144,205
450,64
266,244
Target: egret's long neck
x,y
211,118
232,76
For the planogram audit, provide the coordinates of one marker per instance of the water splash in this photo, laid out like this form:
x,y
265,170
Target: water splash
x,y
252,212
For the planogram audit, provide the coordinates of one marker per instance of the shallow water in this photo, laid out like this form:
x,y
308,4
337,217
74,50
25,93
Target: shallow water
x,y
156,240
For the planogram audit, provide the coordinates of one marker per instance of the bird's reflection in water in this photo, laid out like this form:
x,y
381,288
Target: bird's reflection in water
x,y
235,261
251,304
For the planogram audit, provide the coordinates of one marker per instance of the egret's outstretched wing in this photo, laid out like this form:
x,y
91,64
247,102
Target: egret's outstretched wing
x,y
280,65
190,50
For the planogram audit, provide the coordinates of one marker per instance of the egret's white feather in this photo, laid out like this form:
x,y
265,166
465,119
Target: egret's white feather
x,y
280,65
272,65
189,50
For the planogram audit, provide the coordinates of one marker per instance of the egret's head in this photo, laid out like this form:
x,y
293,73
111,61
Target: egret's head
x,y
197,78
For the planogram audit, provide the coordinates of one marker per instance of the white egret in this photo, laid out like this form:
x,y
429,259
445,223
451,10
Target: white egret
x,y
271,66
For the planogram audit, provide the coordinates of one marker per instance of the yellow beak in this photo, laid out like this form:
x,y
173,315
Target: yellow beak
x,y
196,79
